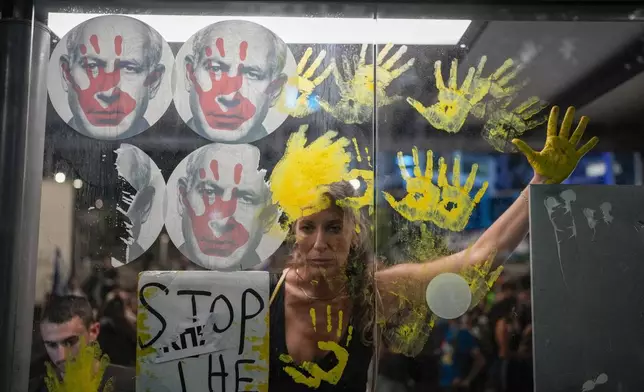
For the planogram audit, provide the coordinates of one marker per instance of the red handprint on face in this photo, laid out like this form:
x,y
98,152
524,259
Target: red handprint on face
x,y
217,217
103,102
223,106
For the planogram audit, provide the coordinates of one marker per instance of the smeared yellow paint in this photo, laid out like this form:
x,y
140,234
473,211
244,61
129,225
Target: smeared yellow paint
x,y
328,318
294,99
313,318
143,331
366,199
455,104
355,145
83,373
317,374
559,156
480,279
301,177
358,87
503,124
448,206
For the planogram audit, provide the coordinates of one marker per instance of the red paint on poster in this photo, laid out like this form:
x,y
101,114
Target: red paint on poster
x,y
114,104
217,213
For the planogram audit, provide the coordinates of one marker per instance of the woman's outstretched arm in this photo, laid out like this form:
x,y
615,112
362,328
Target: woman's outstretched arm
x,y
551,165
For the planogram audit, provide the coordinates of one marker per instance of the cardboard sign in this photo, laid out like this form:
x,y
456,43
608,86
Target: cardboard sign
x,y
203,331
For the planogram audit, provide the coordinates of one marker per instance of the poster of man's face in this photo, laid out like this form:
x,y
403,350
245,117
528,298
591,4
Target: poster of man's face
x,y
141,201
228,79
220,212
109,77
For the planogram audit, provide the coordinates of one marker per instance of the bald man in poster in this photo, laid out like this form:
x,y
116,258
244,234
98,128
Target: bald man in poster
x,y
234,76
225,206
111,71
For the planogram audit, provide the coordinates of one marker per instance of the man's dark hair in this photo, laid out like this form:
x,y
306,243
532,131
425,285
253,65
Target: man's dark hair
x,y
61,309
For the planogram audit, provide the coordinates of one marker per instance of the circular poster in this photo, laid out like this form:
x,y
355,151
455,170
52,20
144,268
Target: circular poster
x,y
109,78
219,212
228,79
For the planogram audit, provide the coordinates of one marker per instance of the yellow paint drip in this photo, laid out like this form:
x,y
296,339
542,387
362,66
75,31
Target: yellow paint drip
x,y
328,318
301,177
83,373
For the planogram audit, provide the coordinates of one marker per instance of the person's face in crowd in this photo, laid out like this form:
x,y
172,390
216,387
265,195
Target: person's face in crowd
x,y
108,79
323,239
225,206
233,83
62,341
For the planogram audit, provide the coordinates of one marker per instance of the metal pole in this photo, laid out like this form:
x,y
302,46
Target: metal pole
x,y
24,52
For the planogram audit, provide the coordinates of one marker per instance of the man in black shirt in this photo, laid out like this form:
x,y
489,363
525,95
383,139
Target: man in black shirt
x,y
65,323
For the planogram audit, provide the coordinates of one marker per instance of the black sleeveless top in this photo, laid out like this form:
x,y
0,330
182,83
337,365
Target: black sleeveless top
x,y
354,377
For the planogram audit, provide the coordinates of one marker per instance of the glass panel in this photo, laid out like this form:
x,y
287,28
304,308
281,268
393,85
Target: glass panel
x,y
205,147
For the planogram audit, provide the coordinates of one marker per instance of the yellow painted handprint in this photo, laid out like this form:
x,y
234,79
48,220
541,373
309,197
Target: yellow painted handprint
x,y
499,83
357,86
559,156
503,124
83,373
454,104
316,374
297,92
448,206
366,199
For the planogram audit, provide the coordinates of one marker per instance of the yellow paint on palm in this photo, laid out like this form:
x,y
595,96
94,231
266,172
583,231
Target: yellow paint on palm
x,y
357,86
83,373
503,124
300,178
295,96
560,155
480,279
316,373
448,206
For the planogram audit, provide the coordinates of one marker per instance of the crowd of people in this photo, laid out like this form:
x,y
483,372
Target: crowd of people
x,y
488,349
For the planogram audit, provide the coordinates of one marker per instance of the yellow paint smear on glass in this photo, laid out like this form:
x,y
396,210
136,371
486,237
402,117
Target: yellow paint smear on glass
x,y
504,124
300,178
455,104
357,85
447,205
366,198
480,279
317,374
295,96
83,373
143,331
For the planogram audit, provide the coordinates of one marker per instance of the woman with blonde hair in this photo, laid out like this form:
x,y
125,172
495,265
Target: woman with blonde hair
x,y
333,297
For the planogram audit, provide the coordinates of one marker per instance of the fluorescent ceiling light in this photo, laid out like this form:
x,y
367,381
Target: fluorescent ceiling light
x,y
178,28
